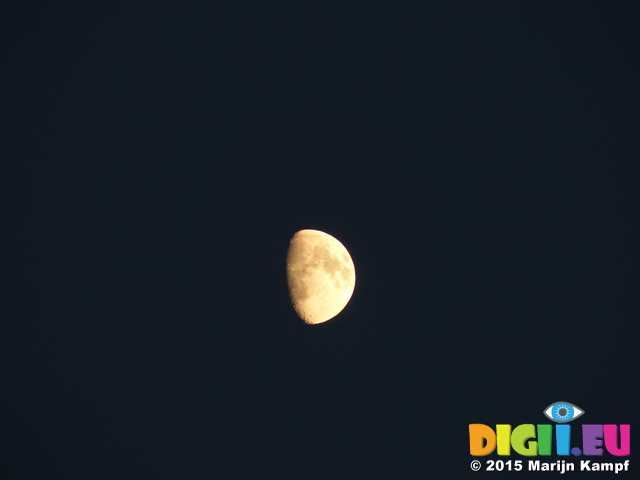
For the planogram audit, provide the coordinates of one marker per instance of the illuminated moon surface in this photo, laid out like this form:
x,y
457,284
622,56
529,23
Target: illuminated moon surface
x,y
321,275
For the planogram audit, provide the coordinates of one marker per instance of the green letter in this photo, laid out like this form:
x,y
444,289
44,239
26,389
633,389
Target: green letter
x,y
544,439
521,434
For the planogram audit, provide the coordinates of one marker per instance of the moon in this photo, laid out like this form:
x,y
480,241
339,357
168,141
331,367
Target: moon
x,y
320,274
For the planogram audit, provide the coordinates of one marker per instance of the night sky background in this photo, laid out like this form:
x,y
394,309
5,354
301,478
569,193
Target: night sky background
x,y
480,161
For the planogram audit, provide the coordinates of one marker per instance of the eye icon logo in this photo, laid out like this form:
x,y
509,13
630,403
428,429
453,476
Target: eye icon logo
x,y
562,412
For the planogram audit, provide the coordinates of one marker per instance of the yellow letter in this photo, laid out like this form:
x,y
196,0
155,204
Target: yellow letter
x,y
504,439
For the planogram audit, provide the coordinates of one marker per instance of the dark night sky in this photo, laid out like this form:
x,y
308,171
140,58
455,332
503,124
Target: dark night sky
x,y
480,163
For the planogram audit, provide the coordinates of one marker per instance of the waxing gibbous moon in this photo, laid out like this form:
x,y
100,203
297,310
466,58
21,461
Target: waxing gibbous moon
x,y
320,274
